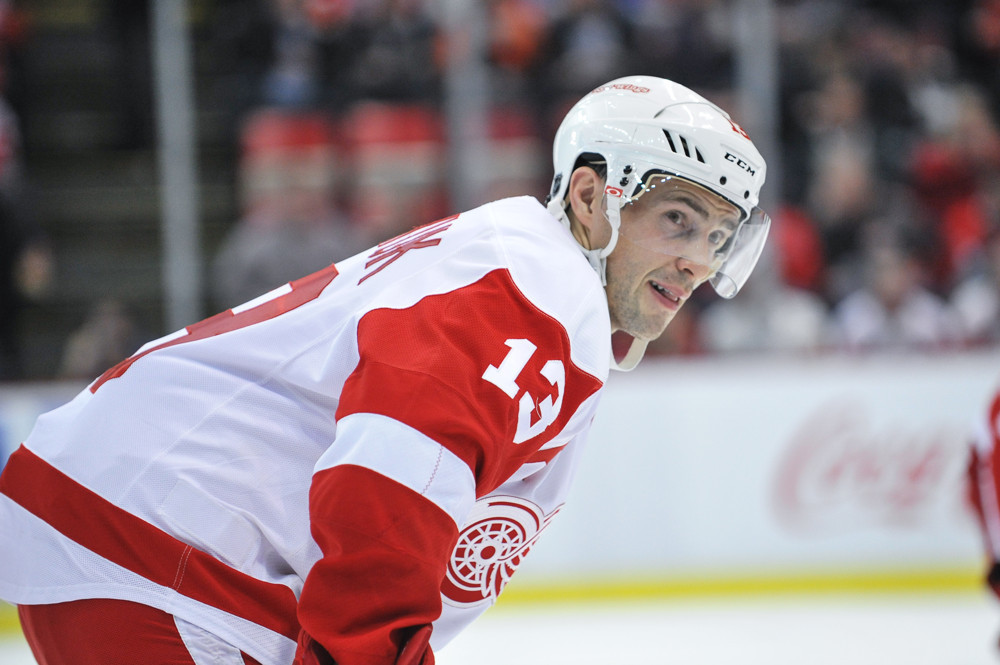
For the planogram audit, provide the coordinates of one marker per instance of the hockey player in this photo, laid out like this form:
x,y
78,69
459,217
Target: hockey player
x,y
984,488
349,469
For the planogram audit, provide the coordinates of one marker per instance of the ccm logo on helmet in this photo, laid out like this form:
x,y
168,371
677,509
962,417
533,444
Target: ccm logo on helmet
x,y
615,192
740,162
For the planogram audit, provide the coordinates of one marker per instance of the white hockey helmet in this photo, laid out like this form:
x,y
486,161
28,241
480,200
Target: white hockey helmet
x,y
645,127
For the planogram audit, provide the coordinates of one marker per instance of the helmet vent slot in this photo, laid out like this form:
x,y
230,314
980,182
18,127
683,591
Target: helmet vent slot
x,y
670,140
686,148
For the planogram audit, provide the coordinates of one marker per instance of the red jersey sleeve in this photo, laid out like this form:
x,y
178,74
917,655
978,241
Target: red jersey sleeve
x,y
385,548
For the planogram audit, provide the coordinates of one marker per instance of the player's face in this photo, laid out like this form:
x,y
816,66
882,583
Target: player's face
x,y
673,238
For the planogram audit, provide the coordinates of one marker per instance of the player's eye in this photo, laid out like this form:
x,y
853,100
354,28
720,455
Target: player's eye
x,y
676,217
722,241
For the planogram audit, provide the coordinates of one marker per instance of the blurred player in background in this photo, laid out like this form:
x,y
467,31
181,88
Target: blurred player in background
x,y
348,469
984,487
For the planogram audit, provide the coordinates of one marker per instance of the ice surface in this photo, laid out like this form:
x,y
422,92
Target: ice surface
x,y
894,630
904,629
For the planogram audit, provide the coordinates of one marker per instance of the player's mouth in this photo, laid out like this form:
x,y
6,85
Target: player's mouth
x,y
669,296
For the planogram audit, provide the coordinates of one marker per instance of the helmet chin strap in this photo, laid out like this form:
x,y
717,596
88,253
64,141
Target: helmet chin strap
x,y
595,257
632,357
598,261
613,213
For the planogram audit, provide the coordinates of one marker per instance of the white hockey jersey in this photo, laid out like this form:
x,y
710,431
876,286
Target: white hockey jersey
x,y
368,449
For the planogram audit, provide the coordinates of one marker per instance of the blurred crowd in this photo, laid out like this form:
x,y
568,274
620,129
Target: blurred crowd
x,y
885,195
26,258
886,199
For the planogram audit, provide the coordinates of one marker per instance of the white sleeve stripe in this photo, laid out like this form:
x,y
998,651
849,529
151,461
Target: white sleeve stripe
x,y
408,457
283,290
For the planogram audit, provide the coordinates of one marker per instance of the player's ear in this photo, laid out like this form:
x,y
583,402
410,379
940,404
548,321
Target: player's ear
x,y
585,195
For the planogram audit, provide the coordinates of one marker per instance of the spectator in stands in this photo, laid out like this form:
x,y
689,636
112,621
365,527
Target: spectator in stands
x,y
393,46
783,310
777,318
291,221
887,64
894,310
976,40
129,32
293,79
841,191
688,38
589,42
515,38
26,266
26,257
397,156
240,45
108,334
976,298
954,179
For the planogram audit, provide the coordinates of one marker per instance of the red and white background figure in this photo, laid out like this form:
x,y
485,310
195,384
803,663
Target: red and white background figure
x,y
984,480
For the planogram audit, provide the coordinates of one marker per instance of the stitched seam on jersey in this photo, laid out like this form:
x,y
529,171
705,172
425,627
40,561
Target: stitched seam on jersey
x,y
181,567
434,471
452,507
461,397
457,393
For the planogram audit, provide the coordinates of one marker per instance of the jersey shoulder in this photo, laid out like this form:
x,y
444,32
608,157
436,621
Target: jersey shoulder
x,y
517,237
548,267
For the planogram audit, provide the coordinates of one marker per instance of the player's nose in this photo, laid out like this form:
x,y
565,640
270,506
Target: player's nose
x,y
698,272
